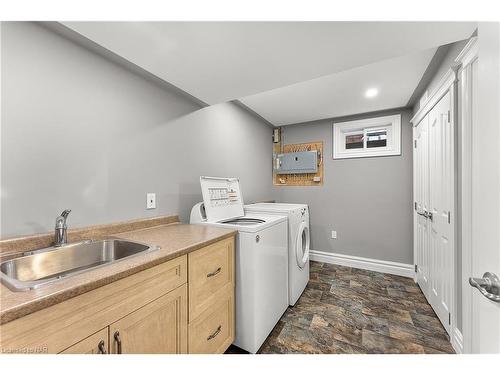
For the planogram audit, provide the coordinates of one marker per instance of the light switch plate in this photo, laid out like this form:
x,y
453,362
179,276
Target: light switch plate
x,y
150,201
334,234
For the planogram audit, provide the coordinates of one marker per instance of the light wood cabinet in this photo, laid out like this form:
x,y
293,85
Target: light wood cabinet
x,y
65,324
185,305
96,344
158,327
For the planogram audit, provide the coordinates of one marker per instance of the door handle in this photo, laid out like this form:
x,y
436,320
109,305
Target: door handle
x,y
101,347
489,286
424,214
118,342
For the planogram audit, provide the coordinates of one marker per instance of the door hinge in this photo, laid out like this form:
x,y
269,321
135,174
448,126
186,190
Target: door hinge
x,y
449,115
415,206
415,143
416,267
449,318
449,217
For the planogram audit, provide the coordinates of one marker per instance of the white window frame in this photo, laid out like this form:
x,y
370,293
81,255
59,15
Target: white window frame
x,y
392,125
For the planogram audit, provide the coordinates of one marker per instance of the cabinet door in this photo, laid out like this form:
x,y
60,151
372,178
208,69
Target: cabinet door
x,y
158,327
96,344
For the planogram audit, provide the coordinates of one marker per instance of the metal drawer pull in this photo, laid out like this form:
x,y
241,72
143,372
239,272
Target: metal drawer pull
x,y
489,286
211,274
118,342
217,331
101,347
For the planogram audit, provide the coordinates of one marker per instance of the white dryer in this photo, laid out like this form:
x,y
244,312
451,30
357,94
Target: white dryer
x,y
298,242
261,259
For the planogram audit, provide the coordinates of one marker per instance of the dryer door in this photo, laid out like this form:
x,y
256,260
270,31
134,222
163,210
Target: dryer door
x,y
302,244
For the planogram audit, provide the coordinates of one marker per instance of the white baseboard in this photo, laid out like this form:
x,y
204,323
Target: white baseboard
x,y
457,341
393,268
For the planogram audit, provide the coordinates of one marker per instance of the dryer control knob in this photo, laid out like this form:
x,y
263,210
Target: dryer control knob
x,y
257,238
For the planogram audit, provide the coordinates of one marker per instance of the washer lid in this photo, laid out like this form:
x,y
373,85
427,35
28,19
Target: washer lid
x,y
222,198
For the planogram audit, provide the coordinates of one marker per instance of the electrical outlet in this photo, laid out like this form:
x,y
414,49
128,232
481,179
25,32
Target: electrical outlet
x,y
150,201
334,234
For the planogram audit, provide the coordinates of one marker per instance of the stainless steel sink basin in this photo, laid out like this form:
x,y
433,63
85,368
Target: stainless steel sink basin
x,y
44,266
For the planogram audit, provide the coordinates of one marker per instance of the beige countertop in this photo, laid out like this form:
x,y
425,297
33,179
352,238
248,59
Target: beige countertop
x,y
174,240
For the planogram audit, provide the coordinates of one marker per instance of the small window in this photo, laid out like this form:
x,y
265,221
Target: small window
x,y
376,138
379,136
354,140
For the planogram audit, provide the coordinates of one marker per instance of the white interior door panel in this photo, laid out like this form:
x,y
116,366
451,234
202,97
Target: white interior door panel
x,y
421,165
441,200
434,196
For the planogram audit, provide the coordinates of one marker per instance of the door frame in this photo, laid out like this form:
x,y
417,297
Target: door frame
x,y
448,83
468,56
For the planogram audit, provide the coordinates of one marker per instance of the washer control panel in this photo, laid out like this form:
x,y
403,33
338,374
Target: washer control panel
x,y
222,198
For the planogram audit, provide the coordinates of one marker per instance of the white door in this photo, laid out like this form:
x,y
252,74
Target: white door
x,y
441,207
486,189
421,192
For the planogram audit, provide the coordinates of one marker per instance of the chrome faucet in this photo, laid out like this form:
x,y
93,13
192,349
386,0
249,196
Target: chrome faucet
x,y
60,237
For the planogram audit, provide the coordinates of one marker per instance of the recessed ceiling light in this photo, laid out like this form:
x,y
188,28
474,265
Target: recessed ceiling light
x,y
371,93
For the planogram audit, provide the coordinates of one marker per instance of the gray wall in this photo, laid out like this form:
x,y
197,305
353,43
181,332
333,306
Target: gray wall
x,y
82,132
368,201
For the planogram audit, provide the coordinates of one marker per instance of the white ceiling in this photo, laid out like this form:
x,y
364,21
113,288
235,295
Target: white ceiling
x,y
221,61
343,93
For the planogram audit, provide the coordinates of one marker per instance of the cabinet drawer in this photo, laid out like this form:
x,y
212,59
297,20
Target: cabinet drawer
x,y
94,344
209,270
213,331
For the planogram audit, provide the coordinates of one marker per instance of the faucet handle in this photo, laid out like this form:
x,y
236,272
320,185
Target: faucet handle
x,y
65,213
61,219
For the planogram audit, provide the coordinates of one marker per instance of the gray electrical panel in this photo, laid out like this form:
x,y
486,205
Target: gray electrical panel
x,y
296,162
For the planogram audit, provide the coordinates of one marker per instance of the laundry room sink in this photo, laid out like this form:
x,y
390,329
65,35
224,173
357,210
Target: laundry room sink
x,y
40,267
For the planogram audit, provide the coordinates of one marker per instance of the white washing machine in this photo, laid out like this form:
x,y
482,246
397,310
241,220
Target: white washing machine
x,y
261,259
298,242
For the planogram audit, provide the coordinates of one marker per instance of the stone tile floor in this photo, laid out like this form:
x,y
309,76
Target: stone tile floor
x,y
347,310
